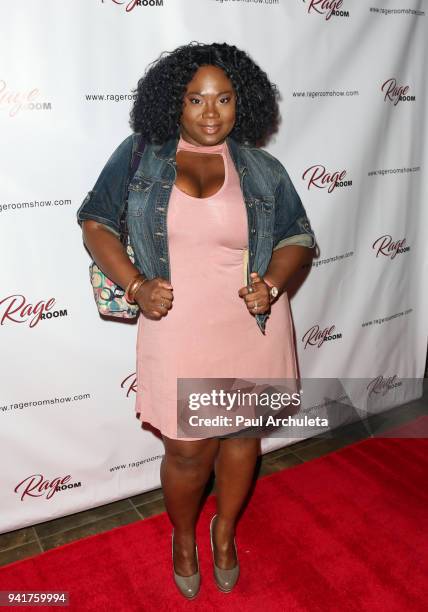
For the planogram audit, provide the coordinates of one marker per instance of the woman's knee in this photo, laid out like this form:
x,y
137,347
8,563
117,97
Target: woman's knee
x,y
192,454
241,446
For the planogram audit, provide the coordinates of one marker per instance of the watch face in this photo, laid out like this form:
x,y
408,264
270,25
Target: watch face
x,y
274,291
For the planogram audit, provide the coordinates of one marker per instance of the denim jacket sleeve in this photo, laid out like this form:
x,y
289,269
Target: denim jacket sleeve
x,y
104,203
291,223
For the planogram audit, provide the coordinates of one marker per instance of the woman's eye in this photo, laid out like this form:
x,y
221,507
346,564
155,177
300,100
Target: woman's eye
x,y
197,100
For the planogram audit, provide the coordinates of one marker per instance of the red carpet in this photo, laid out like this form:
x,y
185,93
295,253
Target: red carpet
x,y
344,532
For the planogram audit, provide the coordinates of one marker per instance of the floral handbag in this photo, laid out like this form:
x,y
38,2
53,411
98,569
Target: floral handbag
x,y
109,297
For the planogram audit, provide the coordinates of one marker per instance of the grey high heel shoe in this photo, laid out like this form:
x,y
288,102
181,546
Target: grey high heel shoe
x,y
224,578
187,585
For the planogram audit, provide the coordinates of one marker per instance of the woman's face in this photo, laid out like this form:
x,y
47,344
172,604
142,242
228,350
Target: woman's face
x,y
209,104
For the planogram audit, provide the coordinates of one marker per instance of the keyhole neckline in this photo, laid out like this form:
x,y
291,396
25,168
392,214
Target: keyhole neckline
x,y
220,148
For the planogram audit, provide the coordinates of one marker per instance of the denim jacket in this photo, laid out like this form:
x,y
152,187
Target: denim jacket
x,y
276,216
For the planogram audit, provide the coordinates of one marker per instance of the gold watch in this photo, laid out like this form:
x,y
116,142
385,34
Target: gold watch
x,y
273,291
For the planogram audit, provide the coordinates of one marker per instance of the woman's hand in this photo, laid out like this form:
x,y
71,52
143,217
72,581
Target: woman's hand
x,y
154,297
258,298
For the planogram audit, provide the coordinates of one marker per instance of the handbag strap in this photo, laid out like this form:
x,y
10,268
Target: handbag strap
x,y
137,152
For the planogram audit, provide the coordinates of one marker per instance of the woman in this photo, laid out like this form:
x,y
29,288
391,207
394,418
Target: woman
x,y
204,200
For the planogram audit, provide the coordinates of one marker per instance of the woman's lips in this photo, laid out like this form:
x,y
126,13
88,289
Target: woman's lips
x,y
210,129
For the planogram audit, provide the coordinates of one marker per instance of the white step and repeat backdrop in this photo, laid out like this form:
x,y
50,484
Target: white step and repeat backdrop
x,y
353,81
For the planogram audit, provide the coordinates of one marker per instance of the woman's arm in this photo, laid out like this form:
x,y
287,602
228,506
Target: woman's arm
x,y
108,252
292,226
285,262
99,216
294,240
111,256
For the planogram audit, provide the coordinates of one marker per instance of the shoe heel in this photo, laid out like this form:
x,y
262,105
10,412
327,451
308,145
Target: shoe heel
x,y
225,579
187,585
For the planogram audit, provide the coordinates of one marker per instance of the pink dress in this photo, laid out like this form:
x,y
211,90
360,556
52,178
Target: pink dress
x,y
208,332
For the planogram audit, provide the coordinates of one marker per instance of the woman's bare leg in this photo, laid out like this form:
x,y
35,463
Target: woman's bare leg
x,y
184,471
234,471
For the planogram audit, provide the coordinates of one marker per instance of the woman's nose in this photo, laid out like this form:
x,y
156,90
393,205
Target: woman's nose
x,y
210,110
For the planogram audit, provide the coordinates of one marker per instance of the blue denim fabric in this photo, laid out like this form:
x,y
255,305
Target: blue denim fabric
x,y
276,216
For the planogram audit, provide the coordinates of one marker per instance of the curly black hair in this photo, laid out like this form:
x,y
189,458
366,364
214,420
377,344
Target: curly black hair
x,y
159,97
